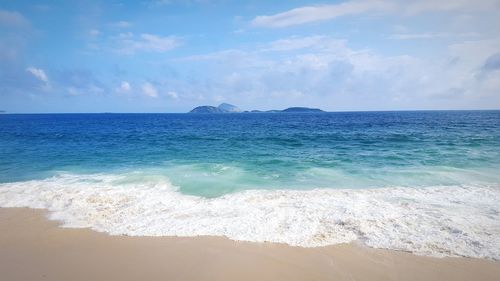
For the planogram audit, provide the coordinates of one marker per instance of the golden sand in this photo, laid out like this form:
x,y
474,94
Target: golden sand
x,y
34,248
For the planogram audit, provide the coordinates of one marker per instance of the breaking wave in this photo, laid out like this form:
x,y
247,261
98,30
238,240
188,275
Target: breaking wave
x,y
436,220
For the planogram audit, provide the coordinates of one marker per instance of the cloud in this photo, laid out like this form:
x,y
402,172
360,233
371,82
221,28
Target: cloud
x,y
94,32
76,82
38,73
489,71
326,72
124,87
492,63
412,36
423,6
294,43
310,14
121,24
181,2
90,89
409,36
15,19
128,43
21,81
149,90
301,70
172,95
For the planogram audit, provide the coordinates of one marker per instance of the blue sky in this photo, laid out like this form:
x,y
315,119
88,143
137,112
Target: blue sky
x,y
173,55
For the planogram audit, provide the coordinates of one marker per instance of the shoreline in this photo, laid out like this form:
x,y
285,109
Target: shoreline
x,y
35,248
435,221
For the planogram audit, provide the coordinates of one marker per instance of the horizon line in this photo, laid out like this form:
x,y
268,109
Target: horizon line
x,y
262,111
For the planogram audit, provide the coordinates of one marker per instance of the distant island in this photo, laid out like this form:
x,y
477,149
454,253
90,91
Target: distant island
x,y
229,108
302,109
222,108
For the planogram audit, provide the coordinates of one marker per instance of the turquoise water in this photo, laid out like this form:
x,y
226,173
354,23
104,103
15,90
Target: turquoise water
x,y
212,155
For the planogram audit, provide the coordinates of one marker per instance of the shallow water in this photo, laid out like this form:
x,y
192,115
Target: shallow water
x,y
211,155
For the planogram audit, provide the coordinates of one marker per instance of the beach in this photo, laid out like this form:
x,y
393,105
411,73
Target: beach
x,y
288,196
249,140
34,248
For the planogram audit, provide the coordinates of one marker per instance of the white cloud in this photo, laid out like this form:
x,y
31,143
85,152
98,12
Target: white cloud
x,y
124,87
308,70
214,56
86,90
182,2
121,24
130,44
9,18
411,36
309,14
294,43
161,2
149,90
38,73
233,58
422,6
325,72
172,95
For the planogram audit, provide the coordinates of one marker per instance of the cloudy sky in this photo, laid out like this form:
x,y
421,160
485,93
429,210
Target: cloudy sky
x,y
172,55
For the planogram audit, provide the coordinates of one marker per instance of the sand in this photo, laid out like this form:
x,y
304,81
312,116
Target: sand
x,y
34,248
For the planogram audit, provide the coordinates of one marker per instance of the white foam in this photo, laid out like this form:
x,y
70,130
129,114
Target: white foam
x,y
436,221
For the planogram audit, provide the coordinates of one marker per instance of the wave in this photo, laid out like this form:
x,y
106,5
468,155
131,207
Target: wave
x,y
436,221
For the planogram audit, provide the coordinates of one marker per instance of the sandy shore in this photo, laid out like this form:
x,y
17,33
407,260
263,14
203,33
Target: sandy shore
x,y
33,248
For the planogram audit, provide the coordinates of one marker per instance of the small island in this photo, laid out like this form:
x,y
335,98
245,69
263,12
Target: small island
x,y
302,109
222,108
229,108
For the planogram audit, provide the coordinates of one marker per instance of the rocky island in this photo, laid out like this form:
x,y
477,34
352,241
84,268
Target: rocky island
x,y
229,108
222,108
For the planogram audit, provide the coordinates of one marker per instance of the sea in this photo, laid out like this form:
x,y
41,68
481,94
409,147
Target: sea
x,y
426,182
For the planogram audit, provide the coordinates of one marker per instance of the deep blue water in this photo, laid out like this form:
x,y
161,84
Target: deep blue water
x,y
215,154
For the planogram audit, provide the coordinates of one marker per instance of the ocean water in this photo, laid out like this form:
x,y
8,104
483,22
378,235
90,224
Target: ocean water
x,y
427,182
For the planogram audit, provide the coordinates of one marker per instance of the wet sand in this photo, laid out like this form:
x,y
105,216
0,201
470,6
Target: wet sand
x,y
34,248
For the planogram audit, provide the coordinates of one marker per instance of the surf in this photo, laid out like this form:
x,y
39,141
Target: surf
x,y
458,220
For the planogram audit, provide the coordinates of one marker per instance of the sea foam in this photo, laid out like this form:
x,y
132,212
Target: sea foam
x,y
436,221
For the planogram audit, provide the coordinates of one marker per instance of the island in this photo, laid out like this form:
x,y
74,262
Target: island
x,y
222,108
229,108
302,109
206,109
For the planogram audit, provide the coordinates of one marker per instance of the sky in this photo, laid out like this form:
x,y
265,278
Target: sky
x,y
173,55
